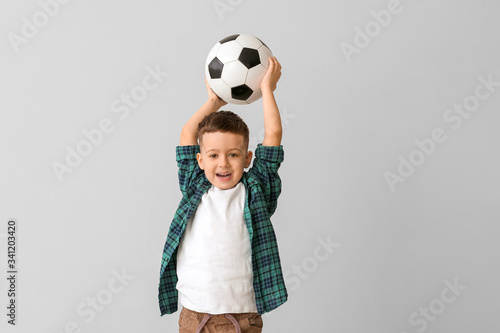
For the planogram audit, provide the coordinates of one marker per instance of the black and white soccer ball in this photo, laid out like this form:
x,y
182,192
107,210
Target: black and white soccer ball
x,y
235,68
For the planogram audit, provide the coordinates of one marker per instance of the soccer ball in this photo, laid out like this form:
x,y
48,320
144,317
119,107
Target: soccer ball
x,y
235,67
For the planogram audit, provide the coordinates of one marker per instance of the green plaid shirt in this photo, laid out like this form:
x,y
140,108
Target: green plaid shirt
x,y
263,186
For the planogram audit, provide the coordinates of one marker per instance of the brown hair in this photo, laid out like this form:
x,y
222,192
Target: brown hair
x,y
223,121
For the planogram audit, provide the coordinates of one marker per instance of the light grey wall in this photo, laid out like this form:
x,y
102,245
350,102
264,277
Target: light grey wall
x,y
420,255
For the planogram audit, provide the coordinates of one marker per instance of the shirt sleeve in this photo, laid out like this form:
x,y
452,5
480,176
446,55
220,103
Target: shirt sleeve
x,y
265,168
188,166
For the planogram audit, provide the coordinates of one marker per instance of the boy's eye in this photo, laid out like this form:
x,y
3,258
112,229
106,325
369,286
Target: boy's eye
x,y
213,155
233,155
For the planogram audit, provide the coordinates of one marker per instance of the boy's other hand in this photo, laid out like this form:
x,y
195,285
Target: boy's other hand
x,y
272,75
213,96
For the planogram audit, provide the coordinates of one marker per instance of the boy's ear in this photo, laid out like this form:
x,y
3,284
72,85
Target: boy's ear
x,y
248,159
198,157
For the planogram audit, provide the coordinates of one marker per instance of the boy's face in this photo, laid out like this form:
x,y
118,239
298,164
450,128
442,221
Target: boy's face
x,y
222,154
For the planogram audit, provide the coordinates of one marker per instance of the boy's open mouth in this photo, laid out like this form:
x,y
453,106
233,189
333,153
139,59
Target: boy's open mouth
x,y
223,176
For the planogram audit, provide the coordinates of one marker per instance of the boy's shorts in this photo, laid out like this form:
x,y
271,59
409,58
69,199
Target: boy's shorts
x,y
190,321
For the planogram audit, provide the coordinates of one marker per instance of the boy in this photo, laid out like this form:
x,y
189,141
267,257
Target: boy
x,y
221,258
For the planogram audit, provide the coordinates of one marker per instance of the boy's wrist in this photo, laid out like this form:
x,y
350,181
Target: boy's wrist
x,y
214,104
267,91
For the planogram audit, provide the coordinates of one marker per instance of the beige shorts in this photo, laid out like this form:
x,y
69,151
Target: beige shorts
x,y
249,322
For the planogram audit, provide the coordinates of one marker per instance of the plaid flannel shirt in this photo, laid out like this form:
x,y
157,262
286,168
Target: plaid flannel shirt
x,y
263,186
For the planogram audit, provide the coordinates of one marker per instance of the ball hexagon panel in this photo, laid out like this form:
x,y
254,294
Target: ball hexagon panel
x,y
257,94
213,52
255,76
263,43
228,38
220,88
265,53
241,92
249,57
229,51
215,68
249,41
234,73
235,101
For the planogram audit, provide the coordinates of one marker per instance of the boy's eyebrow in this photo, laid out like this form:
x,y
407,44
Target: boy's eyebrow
x,y
228,150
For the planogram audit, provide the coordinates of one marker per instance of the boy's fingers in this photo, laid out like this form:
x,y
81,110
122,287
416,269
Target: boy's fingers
x,y
277,63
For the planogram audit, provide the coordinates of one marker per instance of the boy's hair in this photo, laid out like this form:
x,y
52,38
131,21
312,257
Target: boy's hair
x,y
223,121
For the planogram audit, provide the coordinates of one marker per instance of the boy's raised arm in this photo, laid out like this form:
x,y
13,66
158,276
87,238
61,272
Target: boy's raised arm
x,y
189,133
272,119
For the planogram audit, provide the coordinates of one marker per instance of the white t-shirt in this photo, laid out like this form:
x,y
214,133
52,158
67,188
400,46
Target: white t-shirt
x,y
214,258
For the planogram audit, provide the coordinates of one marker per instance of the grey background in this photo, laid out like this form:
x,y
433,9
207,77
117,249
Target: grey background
x,y
345,125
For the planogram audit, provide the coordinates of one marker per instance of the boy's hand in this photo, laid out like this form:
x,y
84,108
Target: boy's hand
x,y
272,75
213,96
189,133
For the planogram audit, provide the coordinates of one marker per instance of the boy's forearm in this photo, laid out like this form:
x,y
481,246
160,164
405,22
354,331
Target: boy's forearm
x,y
272,119
189,133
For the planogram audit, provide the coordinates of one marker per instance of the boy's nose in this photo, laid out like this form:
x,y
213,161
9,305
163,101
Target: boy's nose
x,y
223,161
